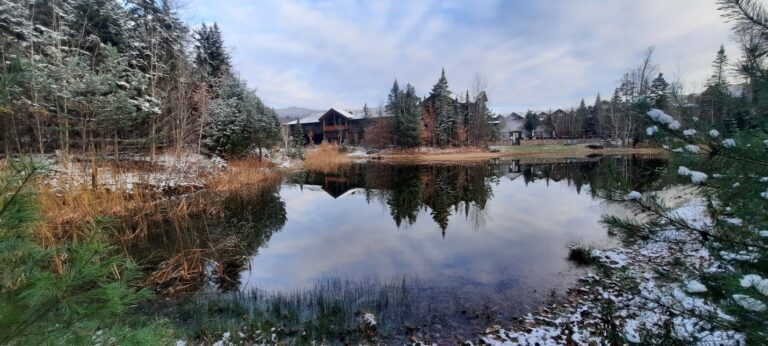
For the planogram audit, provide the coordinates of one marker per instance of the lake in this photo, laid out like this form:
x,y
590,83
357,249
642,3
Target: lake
x,y
444,249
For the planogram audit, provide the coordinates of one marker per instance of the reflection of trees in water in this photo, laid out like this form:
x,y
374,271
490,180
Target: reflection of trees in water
x,y
638,172
444,190
252,216
406,190
181,254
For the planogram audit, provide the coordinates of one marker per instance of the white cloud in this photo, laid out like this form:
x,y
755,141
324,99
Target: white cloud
x,y
538,54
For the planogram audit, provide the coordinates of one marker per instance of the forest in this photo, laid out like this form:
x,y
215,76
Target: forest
x,y
99,78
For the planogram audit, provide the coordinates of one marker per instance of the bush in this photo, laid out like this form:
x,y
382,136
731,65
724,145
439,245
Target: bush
x,y
75,293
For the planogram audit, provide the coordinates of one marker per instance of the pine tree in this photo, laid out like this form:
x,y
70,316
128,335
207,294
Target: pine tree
x,y
404,107
715,97
210,54
445,111
600,115
395,108
549,123
409,127
76,293
725,172
531,122
238,120
296,149
367,116
659,92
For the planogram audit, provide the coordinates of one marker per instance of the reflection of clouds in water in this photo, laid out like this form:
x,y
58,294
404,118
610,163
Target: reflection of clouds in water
x,y
522,243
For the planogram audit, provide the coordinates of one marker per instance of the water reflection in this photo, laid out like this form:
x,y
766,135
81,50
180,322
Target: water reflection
x,y
450,248
210,246
445,190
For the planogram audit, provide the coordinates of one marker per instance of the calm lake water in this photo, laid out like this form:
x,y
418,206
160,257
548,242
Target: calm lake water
x,y
482,230
449,247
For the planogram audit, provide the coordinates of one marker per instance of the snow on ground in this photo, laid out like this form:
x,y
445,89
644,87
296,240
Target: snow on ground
x,y
283,161
166,171
606,302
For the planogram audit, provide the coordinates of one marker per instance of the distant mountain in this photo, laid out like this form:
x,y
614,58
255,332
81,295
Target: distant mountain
x,y
291,113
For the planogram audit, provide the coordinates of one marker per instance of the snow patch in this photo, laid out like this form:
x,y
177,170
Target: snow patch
x,y
694,286
748,302
755,281
660,117
698,177
633,196
692,148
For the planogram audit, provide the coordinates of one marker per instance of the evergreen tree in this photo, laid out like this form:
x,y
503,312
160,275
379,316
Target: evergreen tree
x,y
715,98
367,115
724,172
404,107
445,111
238,120
409,128
549,123
590,125
530,123
601,114
296,149
210,54
395,108
77,293
266,127
659,92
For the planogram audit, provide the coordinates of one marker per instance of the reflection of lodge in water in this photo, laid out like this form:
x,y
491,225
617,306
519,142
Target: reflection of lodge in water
x,y
443,190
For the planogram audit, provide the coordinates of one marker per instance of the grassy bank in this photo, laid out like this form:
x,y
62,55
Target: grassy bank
x,y
553,151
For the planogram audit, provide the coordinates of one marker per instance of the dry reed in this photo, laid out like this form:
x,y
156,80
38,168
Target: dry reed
x,y
243,173
325,158
135,215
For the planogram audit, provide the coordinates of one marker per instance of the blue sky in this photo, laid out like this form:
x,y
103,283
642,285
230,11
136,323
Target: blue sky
x,y
533,54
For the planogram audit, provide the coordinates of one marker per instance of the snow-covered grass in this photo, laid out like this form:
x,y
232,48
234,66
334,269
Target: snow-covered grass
x,y
164,172
636,296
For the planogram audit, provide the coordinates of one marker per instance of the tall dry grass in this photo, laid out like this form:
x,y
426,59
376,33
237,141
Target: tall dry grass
x,y
325,158
144,214
248,172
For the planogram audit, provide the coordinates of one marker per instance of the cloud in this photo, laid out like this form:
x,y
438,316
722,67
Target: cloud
x,y
534,54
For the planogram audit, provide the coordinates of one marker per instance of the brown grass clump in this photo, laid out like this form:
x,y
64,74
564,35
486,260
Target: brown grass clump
x,y
325,158
243,173
167,228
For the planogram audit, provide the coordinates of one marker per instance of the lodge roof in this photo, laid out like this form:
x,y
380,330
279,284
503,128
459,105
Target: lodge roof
x,y
315,118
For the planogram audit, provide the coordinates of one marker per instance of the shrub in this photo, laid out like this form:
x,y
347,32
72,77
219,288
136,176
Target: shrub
x,y
75,293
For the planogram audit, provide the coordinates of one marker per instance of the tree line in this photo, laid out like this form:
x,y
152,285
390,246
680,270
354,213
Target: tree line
x,y
442,119
730,99
102,77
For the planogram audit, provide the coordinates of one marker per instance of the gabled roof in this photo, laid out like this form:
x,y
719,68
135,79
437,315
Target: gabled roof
x,y
357,114
339,111
309,119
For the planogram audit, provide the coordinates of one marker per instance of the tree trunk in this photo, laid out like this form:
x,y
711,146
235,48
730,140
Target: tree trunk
x,y
152,131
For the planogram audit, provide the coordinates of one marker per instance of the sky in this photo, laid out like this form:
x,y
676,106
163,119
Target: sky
x,y
532,54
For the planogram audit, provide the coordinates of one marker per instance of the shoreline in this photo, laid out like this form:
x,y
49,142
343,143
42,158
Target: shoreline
x,y
525,152
625,298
